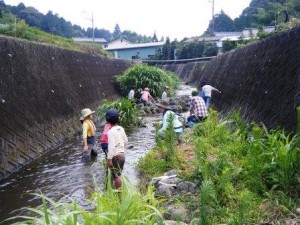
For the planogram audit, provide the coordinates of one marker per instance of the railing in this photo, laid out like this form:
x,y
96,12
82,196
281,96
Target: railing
x,y
175,61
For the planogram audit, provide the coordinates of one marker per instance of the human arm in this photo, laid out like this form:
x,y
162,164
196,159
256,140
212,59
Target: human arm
x,y
111,146
150,97
84,136
215,89
164,122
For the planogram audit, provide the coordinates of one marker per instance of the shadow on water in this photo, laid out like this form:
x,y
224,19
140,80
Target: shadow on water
x,y
61,172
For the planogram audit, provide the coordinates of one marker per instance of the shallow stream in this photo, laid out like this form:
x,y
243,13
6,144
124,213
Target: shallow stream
x,y
61,172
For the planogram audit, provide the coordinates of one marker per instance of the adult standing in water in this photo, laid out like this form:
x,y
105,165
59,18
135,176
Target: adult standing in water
x,y
117,140
88,134
207,90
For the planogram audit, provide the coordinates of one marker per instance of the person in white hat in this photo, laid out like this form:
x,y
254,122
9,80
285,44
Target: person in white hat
x,y
88,134
164,95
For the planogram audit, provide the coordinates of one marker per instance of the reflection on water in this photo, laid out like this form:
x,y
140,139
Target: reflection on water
x,y
61,172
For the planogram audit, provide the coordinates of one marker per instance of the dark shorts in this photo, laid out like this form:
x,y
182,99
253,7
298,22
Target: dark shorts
x,y
118,165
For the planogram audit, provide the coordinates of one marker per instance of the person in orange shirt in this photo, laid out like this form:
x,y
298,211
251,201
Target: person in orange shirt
x,y
88,134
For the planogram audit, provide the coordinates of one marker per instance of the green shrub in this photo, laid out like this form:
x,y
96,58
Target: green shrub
x,y
142,76
129,112
127,206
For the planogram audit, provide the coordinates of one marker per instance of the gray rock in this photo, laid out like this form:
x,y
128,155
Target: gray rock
x,y
165,190
172,222
178,213
171,173
172,180
187,186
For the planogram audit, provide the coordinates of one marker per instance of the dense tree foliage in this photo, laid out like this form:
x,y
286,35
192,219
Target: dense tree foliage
x,y
259,13
53,24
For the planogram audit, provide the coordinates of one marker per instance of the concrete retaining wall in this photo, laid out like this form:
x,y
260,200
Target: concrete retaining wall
x,y
44,89
262,79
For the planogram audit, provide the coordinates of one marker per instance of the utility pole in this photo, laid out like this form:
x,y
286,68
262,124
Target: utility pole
x,y
213,17
93,27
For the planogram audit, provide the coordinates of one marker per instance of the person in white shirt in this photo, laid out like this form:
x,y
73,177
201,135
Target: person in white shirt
x,y
207,90
131,93
164,95
117,140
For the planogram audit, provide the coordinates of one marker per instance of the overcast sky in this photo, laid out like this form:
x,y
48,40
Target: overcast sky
x,y
168,18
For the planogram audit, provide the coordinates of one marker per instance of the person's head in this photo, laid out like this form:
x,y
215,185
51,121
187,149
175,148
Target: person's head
x,y
112,116
167,88
146,89
203,83
86,113
162,106
132,87
194,93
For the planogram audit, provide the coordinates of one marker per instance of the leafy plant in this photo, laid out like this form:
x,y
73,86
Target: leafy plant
x,y
142,76
125,206
129,112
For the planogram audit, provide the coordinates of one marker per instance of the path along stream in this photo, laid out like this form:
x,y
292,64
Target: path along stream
x,y
61,172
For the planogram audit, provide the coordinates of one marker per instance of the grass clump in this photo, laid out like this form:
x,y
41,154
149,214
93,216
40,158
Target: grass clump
x,y
126,206
243,164
130,114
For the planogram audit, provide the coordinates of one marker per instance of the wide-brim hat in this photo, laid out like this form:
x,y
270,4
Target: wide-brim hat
x,y
85,113
167,87
164,105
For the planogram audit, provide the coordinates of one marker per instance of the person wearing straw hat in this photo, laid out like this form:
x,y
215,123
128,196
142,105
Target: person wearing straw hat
x,y
88,134
164,95
167,112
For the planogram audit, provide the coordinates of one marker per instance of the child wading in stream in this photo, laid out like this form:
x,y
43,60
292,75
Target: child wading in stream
x,y
117,140
104,138
88,134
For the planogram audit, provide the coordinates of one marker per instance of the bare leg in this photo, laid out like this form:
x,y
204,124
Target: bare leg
x,y
118,182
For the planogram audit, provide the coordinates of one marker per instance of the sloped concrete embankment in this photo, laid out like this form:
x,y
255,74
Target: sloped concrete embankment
x,y
262,79
186,71
44,89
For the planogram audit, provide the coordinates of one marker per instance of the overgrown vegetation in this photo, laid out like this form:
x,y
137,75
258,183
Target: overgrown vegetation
x,y
163,156
21,30
130,114
142,76
126,206
245,173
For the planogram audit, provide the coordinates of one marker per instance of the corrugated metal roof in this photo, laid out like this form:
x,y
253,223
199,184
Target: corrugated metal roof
x,y
140,45
83,39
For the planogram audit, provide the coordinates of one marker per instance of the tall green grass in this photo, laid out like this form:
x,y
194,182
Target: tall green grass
x,y
125,206
243,163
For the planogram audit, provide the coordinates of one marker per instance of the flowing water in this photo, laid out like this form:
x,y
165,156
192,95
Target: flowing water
x,y
61,172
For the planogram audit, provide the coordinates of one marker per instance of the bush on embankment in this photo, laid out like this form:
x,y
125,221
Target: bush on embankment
x,y
142,76
245,173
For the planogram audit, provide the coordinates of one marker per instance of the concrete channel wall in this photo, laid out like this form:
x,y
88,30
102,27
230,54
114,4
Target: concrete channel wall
x,y
262,79
42,91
